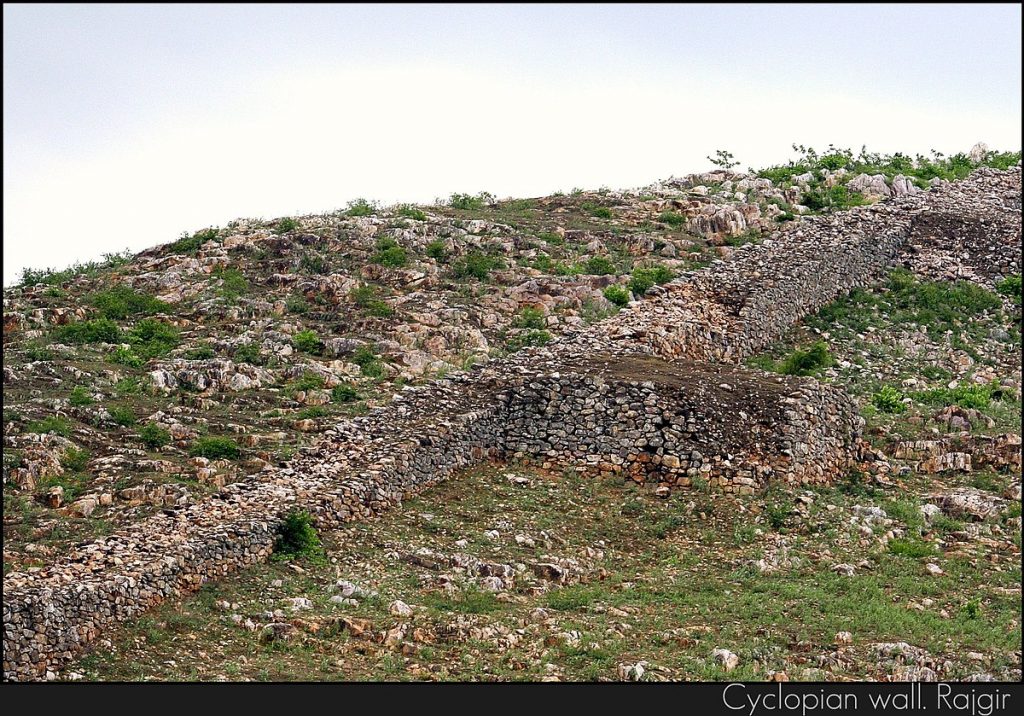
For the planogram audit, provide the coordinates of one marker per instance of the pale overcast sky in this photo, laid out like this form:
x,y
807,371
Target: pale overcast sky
x,y
127,125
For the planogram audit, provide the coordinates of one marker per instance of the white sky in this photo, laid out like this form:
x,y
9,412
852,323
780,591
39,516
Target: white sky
x,y
127,125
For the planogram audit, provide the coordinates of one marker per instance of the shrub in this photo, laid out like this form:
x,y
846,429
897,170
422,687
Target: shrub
x,y
469,202
1011,286
125,356
365,296
600,212
477,264
296,304
344,394
308,381
411,212
617,295
530,338
96,330
190,244
361,207
308,342
153,436
972,609
975,396
233,282
248,353
75,459
122,302
80,396
297,537
599,266
52,424
807,361
643,278
913,548
673,219
437,250
215,448
368,361
836,198
531,317
128,386
389,253
122,415
203,352
287,224
313,411
889,400
313,264
151,338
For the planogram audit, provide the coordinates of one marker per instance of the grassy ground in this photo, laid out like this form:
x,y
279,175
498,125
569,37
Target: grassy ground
x,y
661,581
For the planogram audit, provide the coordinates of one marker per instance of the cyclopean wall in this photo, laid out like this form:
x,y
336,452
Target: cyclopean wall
x,y
589,400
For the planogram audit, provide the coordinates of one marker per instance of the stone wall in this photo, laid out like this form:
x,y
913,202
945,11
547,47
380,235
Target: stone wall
x,y
595,400
652,421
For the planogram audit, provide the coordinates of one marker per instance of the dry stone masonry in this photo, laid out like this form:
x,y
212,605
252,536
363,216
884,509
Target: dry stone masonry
x,y
652,394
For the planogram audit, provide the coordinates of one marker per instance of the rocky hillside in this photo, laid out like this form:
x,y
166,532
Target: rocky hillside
x,y
148,382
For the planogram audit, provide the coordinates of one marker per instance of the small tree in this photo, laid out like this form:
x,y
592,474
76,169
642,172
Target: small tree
x,y
723,159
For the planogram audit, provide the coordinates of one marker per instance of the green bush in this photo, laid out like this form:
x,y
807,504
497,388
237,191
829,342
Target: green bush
x,y
437,250
122,302
836,198
233,282
617,295
297,537
308,381
361,207
52,424
600,212
529,338
477,264
368,361
122,416
314,264
308,342
389,253
599,266
974,396
152,338
287,224
96,330
125,356
153,436
296,304
215,448
75,459
248,353
913,548
191,244
365,296
344,394
80,396
411,212
673,219
807,361
889,400
1011,286
203,352
643,278
470,202
531,317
